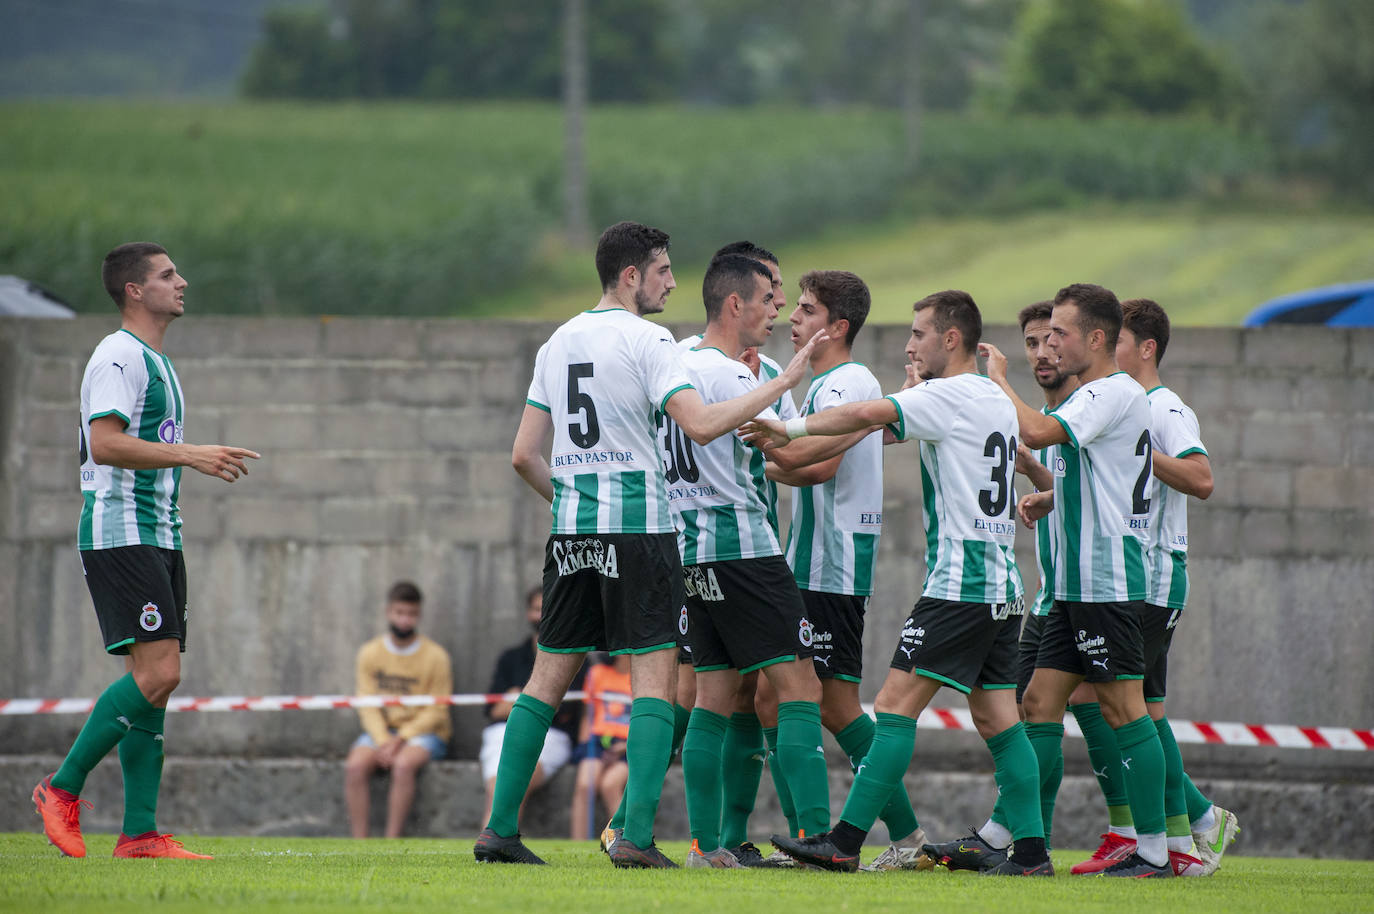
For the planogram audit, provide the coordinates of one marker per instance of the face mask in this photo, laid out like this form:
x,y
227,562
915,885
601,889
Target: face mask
x,y
400,634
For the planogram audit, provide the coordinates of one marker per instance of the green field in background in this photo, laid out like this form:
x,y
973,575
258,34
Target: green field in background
x,y
419,876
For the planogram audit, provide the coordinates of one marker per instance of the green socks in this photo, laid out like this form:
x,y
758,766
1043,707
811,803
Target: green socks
x,y
1103,755
1176,824
1198,805
1142,761
789,809
1018,782
856,739
880,772
526,728
681,716
1047,741
803,763
741,770
701,776
140,760
120,707
647,752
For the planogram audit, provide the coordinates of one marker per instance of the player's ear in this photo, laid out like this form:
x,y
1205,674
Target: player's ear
x,y
629,276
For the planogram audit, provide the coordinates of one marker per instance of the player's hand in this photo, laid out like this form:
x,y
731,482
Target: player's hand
x,y
888,436
219,460
997,362
750,357
1034,506
764,433
1025,459
912,378
796,368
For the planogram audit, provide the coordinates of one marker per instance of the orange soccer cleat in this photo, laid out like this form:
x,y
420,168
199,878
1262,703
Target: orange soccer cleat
x,y
61,812
154,845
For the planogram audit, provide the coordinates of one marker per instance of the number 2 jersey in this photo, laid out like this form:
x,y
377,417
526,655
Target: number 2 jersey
x,y
718,492
967,431
128,379
601,377
1103,483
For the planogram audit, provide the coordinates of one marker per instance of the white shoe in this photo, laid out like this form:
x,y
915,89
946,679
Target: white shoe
x,y
907,856
1212,843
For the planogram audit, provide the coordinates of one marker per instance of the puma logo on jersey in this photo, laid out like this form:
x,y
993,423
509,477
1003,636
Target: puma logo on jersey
x,y
837,391
1092,393
1172,410
120,367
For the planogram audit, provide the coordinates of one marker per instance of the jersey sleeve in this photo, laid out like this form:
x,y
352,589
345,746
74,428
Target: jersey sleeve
x,y
923,412
115,386
1091,410
662,368
538,397
1174,429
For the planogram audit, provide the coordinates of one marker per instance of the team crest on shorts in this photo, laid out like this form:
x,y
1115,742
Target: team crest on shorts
x,y
150,618
804,633
682,621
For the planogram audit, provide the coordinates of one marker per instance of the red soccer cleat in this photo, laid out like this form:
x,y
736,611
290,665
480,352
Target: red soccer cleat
x,y
1113,850
61,812
154,845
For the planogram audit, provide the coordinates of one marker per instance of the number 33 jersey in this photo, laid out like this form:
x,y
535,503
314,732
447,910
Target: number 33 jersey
x,y
967,432
601,377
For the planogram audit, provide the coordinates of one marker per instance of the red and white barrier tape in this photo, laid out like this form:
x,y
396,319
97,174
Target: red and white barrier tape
x,y
1284,736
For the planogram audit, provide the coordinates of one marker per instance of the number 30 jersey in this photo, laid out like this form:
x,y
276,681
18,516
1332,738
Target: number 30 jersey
x,y
967,431
601,377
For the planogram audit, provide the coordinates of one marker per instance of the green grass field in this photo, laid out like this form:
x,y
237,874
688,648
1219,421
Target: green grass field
x,y
418,876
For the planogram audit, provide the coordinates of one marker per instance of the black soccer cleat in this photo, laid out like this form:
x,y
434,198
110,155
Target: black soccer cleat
x,y
817,850
630,856
969,853
1137,867
1010,867
492,848
751,856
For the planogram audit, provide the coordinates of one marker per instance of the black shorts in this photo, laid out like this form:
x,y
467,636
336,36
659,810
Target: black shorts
x,y
684,647
962,645
837,633
616,592
745,614
1026,649
1101,642
1157,628
139,594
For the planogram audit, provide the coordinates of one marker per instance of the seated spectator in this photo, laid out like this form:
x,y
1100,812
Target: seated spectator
x,y
401,740
601,769
512,671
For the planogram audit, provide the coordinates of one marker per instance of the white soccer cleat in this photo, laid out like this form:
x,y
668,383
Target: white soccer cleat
x,y
1212,843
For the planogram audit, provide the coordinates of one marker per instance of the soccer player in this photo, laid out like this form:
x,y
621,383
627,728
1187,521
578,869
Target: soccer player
x,y
962,632
837,517
745,613
986,847
612,573
132,451
1198,832
1099,509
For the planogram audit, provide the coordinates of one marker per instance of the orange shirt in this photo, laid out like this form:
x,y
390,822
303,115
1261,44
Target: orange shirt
x,y
609,694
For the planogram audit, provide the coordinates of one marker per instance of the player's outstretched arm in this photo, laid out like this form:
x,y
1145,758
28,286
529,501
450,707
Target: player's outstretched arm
x,y
527,454
1037,429
704,422
1032,469
112,447
1191,475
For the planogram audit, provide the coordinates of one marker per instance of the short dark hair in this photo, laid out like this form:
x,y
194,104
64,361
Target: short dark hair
x,y
730,274
1147,320
1098,309
626,244
748,249
955,308
1040,311
125,264
404,592
536,591
844,295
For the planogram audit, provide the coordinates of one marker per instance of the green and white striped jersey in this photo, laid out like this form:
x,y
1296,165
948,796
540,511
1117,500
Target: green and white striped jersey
x,y
127,378
717,492
1173,431
601,377
785,407
1103,485
832,544
1044,542
967,430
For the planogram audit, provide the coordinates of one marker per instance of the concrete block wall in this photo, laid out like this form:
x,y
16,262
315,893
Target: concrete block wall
x,y
386,454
